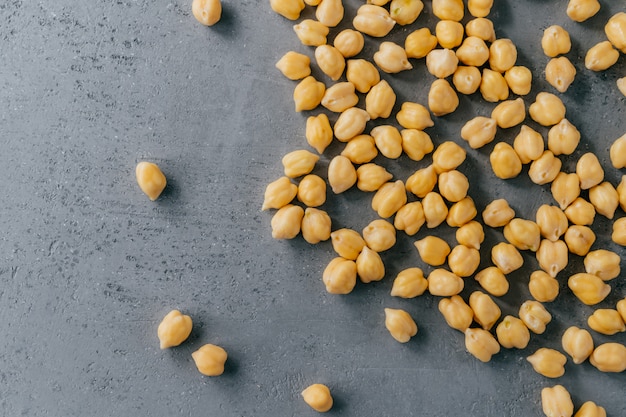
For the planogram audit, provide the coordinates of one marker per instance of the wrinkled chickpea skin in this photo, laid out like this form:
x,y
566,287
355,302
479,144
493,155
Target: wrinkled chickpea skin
x,y
318,397
174,329
210,360
207,12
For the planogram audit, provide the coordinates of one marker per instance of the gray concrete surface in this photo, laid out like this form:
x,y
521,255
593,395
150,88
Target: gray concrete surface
x,y
90,266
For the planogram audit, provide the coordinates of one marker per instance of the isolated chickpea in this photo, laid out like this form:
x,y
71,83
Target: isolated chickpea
x,y
552,256
371,177
318,397
207,12
479,131
286,222
422,182
589,171
340,97
373,20
619,231
581,212
389,198
560,73
473,51
481,344
341,174
448,156
579,239
528,144
466,80
556,401
433,250
316,225
512,333
463,260
416,144
588,288
318,132
150,179
279,193
548,362
535,316
449,33
388,140
506,257
470,234
509,113
330,12
545,168
444,283
380,100
369,266
543,287
392,58
547,110
311,32
448,9
552,222
400,324
174,329
606,321
410,218
363,74
519,79
442,62
299,163
493,281
414,116
504,161
409,283
349,42
486,311
405,12
294,66
604,198
601,56
435,209
350,123
577,343
347,243
210,360
461,212
603,263
498,213
609,357
565,189
502,55
308,94
419,43
442,99
615,30
481,28
479,8
379,235
617,152
493,86
581,10
456,312
360,149
590,409
555,41
339,277
289,9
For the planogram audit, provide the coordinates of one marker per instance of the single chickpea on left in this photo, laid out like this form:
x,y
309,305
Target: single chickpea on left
x,y
174,329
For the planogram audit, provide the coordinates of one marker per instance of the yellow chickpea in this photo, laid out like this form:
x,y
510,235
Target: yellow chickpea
x,y
473,51
552,256
589,171
330,12
279,193
339,277
603,263
486,311
588,288
207,12
350,123
523,234
615,30
340,97
371,177
349,42
498,213
444,283
502,55
552,222
453,185
448,9
318,397
347,243
555,41
416,144
341,174
174,329
466,80
400,324
556,401
151,179
609,357
545,168
601,56
369,266
563,138
535,316
419,43
547,110
311,32
471,235
565,189
463,260
481,344
380,100
308,94
442,62
493,86
509,113
410,218
414,116
363,74
448,156
389,198
456,312
422,182
519,79
604,198
581,10
449,33
409,283
606,321
560,73
289,9
579,239
543,287
493,281
506,257
461,212
479,8
577,343
482,28
433,250
210,360
299,163
435,209
294,66
548,362
581,212
316,225
590,409
619,231
392,58
504,161
512,333
318,133
360,150
617,152
442,99
379,235
373,20
479,131
528,144
286,222
405,12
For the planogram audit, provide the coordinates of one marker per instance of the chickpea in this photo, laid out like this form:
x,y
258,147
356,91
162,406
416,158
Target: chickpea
x,y
509,113
619,231
590,409
435,209
414,116
535,316
174,329
341,174
410,218
369,266
609,357
347,243
479,8
481,344
603,263
312,2
400,324
621,192
606,321
340,97
330,12
294,66
523,234
318,133
479,131
405,12
604,198
498,213
453,185
444,283
486,311
473,52
545,168
581,212
433,250
151,179
389,198
308,94
621,307
579,239
552,256
581,10
552,222
340,276
493,86
481,28
392,58
442,62
442,99
422,182
548,362
380,100
519,79
512,333
563,138
316,225
311,32
388,140
279,193
589,171
470,234
330,61
556,401
448,156
449,33
289,9
461,212
286,222
318,397
588,288
207,12
299,163
379,235
560,73
419,43
363,74
506,257
502,55
547,110
456,312
615,30
350,123
373,20
578,344
543,287
416,144
210,360
565,189
617,152
528,144
360,149
601,56
349,42
463,261
493,281
371,177
466,80
555,41
448,9
409,283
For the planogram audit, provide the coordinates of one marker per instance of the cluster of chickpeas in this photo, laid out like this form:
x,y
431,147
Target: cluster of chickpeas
x,y
476,61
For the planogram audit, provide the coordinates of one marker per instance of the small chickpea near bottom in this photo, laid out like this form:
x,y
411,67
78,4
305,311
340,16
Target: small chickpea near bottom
x,y
210,360
318,397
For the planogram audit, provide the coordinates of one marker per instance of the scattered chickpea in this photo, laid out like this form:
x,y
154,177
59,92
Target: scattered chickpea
x,y
340,276
369,266
410,218
448,156
442,99
504,161
588,288
341,174
506,257
360,149
552,222
601,56
388,140
461,212
150,179
463,260
528,144
392,58
371,177
547,110
479,8
556,402
589,171
552,256
308,94
311,32
545,168
543,287
363,74
316,225
479,131
433,250
389,198
519,79
481,344
606,321
400,324
604,198
565,189
603,263
609,357
577,343
563,138
330,61
619,231
498,213
380,100
279,193
456,312
299,163
486,311
207,12
493,86
581,10
581,212
615,30
379,235
289,9
441,62
535,316
416,144
444,283
466,80
523,234
493,281
449,33
318,132
318,397
373,20
414,116
453,185
174,329
294,66
347,243
579,239
349,42
555,41
617,152
502,55
350,123
330,12
560,73
509,113
548,362
422,182
210,360
482,28
473,51
340,97
471,234
590,409
286,222
448,9
419,43
405,12
409,283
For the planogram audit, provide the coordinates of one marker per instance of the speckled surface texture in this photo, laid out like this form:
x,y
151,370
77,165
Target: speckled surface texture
x,y
90,265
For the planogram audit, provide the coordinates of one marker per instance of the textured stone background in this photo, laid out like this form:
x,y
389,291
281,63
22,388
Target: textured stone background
x,y
90,266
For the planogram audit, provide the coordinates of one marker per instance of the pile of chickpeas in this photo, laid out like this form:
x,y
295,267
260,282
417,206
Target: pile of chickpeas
x,y
463,59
